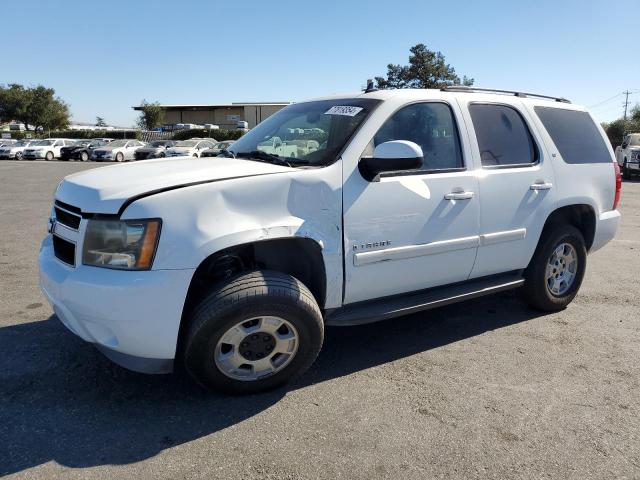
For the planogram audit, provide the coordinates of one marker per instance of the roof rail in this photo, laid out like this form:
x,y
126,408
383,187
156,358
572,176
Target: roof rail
x,y
462,88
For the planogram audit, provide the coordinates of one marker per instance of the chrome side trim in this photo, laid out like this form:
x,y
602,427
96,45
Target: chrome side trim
x,y
499,237
412,251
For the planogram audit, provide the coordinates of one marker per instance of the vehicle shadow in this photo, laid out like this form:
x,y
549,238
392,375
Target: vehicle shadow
x,y
61,400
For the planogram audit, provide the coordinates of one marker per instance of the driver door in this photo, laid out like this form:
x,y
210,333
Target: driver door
x,y
417,229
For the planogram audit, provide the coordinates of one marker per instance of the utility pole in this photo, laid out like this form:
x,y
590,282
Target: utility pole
x,y
626,102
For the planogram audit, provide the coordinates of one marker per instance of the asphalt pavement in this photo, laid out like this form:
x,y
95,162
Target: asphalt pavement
x,y
487,389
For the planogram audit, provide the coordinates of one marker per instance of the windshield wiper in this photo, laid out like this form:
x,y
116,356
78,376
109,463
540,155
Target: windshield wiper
x,y
260,156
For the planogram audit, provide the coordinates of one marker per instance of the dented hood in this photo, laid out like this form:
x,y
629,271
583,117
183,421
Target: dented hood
x,y
105,190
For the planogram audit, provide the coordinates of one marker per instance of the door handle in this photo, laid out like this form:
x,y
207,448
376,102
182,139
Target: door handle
x,y
541,186
458,196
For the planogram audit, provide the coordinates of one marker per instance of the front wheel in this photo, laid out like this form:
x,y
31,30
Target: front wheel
x,y
555,273
254,333
19,156
119,157
48,156
84,156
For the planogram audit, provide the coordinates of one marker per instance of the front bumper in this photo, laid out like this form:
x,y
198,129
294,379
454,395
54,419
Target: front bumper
x,y
7,156
133,317
606,228
146,155
33,156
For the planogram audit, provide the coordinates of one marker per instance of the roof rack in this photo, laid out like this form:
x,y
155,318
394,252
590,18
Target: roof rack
x,y
462,88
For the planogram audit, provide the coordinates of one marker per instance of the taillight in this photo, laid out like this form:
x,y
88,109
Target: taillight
x,y
616,199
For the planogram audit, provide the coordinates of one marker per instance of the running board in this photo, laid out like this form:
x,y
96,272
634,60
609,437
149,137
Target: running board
x,y
399,305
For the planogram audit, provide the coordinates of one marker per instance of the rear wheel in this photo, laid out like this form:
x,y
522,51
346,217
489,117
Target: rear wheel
x,y
84,156
19,156
48,156
555,273
119,157
254,333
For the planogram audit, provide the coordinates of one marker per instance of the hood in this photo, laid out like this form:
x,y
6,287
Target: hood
x,y
180,149
107,148
149,149
104,190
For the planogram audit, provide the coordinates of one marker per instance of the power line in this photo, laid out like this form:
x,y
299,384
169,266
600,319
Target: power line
x,y
605,101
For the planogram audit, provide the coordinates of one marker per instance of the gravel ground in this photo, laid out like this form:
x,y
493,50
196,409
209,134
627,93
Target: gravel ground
x,y
485,389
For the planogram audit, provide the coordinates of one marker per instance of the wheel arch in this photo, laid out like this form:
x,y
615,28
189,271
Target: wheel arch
x,y
580,215
300,257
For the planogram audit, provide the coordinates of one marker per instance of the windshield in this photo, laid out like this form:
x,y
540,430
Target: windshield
x,y
634,140
42,143
158,144
186,143
21,144
222,145
118,143
96,143
309,133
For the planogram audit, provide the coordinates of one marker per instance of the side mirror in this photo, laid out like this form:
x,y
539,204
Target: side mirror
x,y
391,156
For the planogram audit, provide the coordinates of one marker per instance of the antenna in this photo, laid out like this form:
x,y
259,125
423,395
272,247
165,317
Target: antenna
x,y
370,88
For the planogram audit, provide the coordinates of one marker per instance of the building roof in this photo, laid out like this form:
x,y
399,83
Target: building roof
x,y
219,105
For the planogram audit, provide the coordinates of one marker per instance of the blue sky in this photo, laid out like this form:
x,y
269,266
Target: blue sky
x,y
103,59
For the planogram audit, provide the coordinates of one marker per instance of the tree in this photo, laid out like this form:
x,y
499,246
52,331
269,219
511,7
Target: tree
x,y
37,107
426,69
13,102
151,115
100,122
617,129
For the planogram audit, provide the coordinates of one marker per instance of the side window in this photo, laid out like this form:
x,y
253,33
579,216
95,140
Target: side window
x,y
575,135
430,125
503,137
58,143
625,142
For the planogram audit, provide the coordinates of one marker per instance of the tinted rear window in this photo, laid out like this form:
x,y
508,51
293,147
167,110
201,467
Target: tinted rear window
x,y
575,135
503,137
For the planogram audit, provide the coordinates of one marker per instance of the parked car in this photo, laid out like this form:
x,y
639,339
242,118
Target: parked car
x,y
215,150
5,142
118,150
628,155
413,199
190,148
82,150
156,149
15,150
47,149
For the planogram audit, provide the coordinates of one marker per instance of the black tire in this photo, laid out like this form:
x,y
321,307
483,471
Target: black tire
x,y
535,291
84,156
626,174
161,155
19,156
254,294
49,156
119,157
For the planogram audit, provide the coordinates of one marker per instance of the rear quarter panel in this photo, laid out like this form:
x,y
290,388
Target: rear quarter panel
x,y
580,183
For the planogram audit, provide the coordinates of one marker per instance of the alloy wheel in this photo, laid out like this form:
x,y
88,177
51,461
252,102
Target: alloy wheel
x,y
256,348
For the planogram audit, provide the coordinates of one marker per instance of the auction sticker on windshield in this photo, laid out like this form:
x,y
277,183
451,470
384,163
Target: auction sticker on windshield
x,y
343,110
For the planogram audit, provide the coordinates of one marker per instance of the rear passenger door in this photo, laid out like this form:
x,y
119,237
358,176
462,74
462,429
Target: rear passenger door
x,y
516,184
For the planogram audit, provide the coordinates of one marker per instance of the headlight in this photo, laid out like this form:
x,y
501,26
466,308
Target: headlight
x,y
121,244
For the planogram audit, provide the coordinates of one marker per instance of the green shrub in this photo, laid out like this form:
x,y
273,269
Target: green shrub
x,y
117,134
220,135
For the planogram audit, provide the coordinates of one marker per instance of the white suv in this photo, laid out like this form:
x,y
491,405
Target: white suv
x,y
410,199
